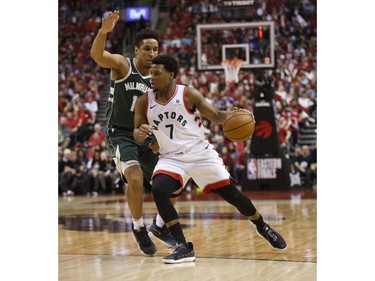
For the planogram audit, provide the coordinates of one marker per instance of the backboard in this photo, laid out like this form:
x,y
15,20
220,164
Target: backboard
x,y
252,42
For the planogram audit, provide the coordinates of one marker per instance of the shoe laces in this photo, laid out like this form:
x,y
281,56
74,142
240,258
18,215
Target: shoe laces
x,y
143,237
179,247
270,232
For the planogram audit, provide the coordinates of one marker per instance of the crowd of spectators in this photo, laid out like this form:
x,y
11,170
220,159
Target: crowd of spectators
x,y
82,83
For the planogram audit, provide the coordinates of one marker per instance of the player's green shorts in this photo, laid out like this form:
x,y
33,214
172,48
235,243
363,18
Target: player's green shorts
x,y
130,150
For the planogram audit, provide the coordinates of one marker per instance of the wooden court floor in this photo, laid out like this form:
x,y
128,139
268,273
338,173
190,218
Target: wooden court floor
x,y
95,240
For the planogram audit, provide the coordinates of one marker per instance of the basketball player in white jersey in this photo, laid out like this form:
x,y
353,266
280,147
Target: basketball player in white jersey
x,y
170,112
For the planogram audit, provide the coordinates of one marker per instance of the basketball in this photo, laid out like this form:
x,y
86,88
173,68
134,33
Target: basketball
x,y
239,125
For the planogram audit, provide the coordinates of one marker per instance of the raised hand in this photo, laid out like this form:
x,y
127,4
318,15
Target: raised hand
x,y
109,23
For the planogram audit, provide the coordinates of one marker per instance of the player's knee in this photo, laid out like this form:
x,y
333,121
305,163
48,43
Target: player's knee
x,y
158,191
134,176
163,186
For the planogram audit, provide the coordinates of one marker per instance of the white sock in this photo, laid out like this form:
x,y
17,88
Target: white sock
x,y
159,221
138,223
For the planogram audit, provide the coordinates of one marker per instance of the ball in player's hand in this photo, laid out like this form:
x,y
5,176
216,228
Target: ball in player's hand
x,y
239,125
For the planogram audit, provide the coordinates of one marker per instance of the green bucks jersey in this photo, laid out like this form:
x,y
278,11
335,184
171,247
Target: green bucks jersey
x,y
123,96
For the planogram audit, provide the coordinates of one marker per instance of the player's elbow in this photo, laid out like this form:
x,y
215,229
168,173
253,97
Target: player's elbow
x,y
94,56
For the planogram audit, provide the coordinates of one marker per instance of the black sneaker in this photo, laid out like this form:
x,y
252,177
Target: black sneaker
x,y
273,238
145,244
162,234
181,254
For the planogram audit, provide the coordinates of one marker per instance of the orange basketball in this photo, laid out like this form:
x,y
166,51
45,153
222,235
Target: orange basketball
x,y
239,125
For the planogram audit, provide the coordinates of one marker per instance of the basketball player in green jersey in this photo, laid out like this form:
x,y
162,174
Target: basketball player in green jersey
x,y
130,78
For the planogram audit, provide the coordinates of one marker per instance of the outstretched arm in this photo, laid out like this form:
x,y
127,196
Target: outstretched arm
x,y
195,99
98,53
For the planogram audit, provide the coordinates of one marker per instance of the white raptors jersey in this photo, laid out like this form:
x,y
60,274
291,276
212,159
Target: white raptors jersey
x,y
184,151
177,129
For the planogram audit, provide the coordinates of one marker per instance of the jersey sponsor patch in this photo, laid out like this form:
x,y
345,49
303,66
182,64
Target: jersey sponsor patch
x,y
177,102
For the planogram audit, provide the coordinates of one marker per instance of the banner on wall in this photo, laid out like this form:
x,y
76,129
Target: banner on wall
x,y
267,168
265,140
263,168
264,173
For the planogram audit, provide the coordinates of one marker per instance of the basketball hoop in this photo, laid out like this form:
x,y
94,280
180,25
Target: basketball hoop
x,y
231,69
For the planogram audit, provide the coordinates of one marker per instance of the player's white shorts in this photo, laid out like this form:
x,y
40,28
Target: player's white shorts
x,y
203,164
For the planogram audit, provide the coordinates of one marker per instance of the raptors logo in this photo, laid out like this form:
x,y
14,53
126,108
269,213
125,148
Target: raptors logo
x,y
263,129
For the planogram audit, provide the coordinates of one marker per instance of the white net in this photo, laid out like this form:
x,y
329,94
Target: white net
x,y
231,69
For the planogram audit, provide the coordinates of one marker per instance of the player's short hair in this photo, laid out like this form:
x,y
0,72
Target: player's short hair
x,y
170,63
145,34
